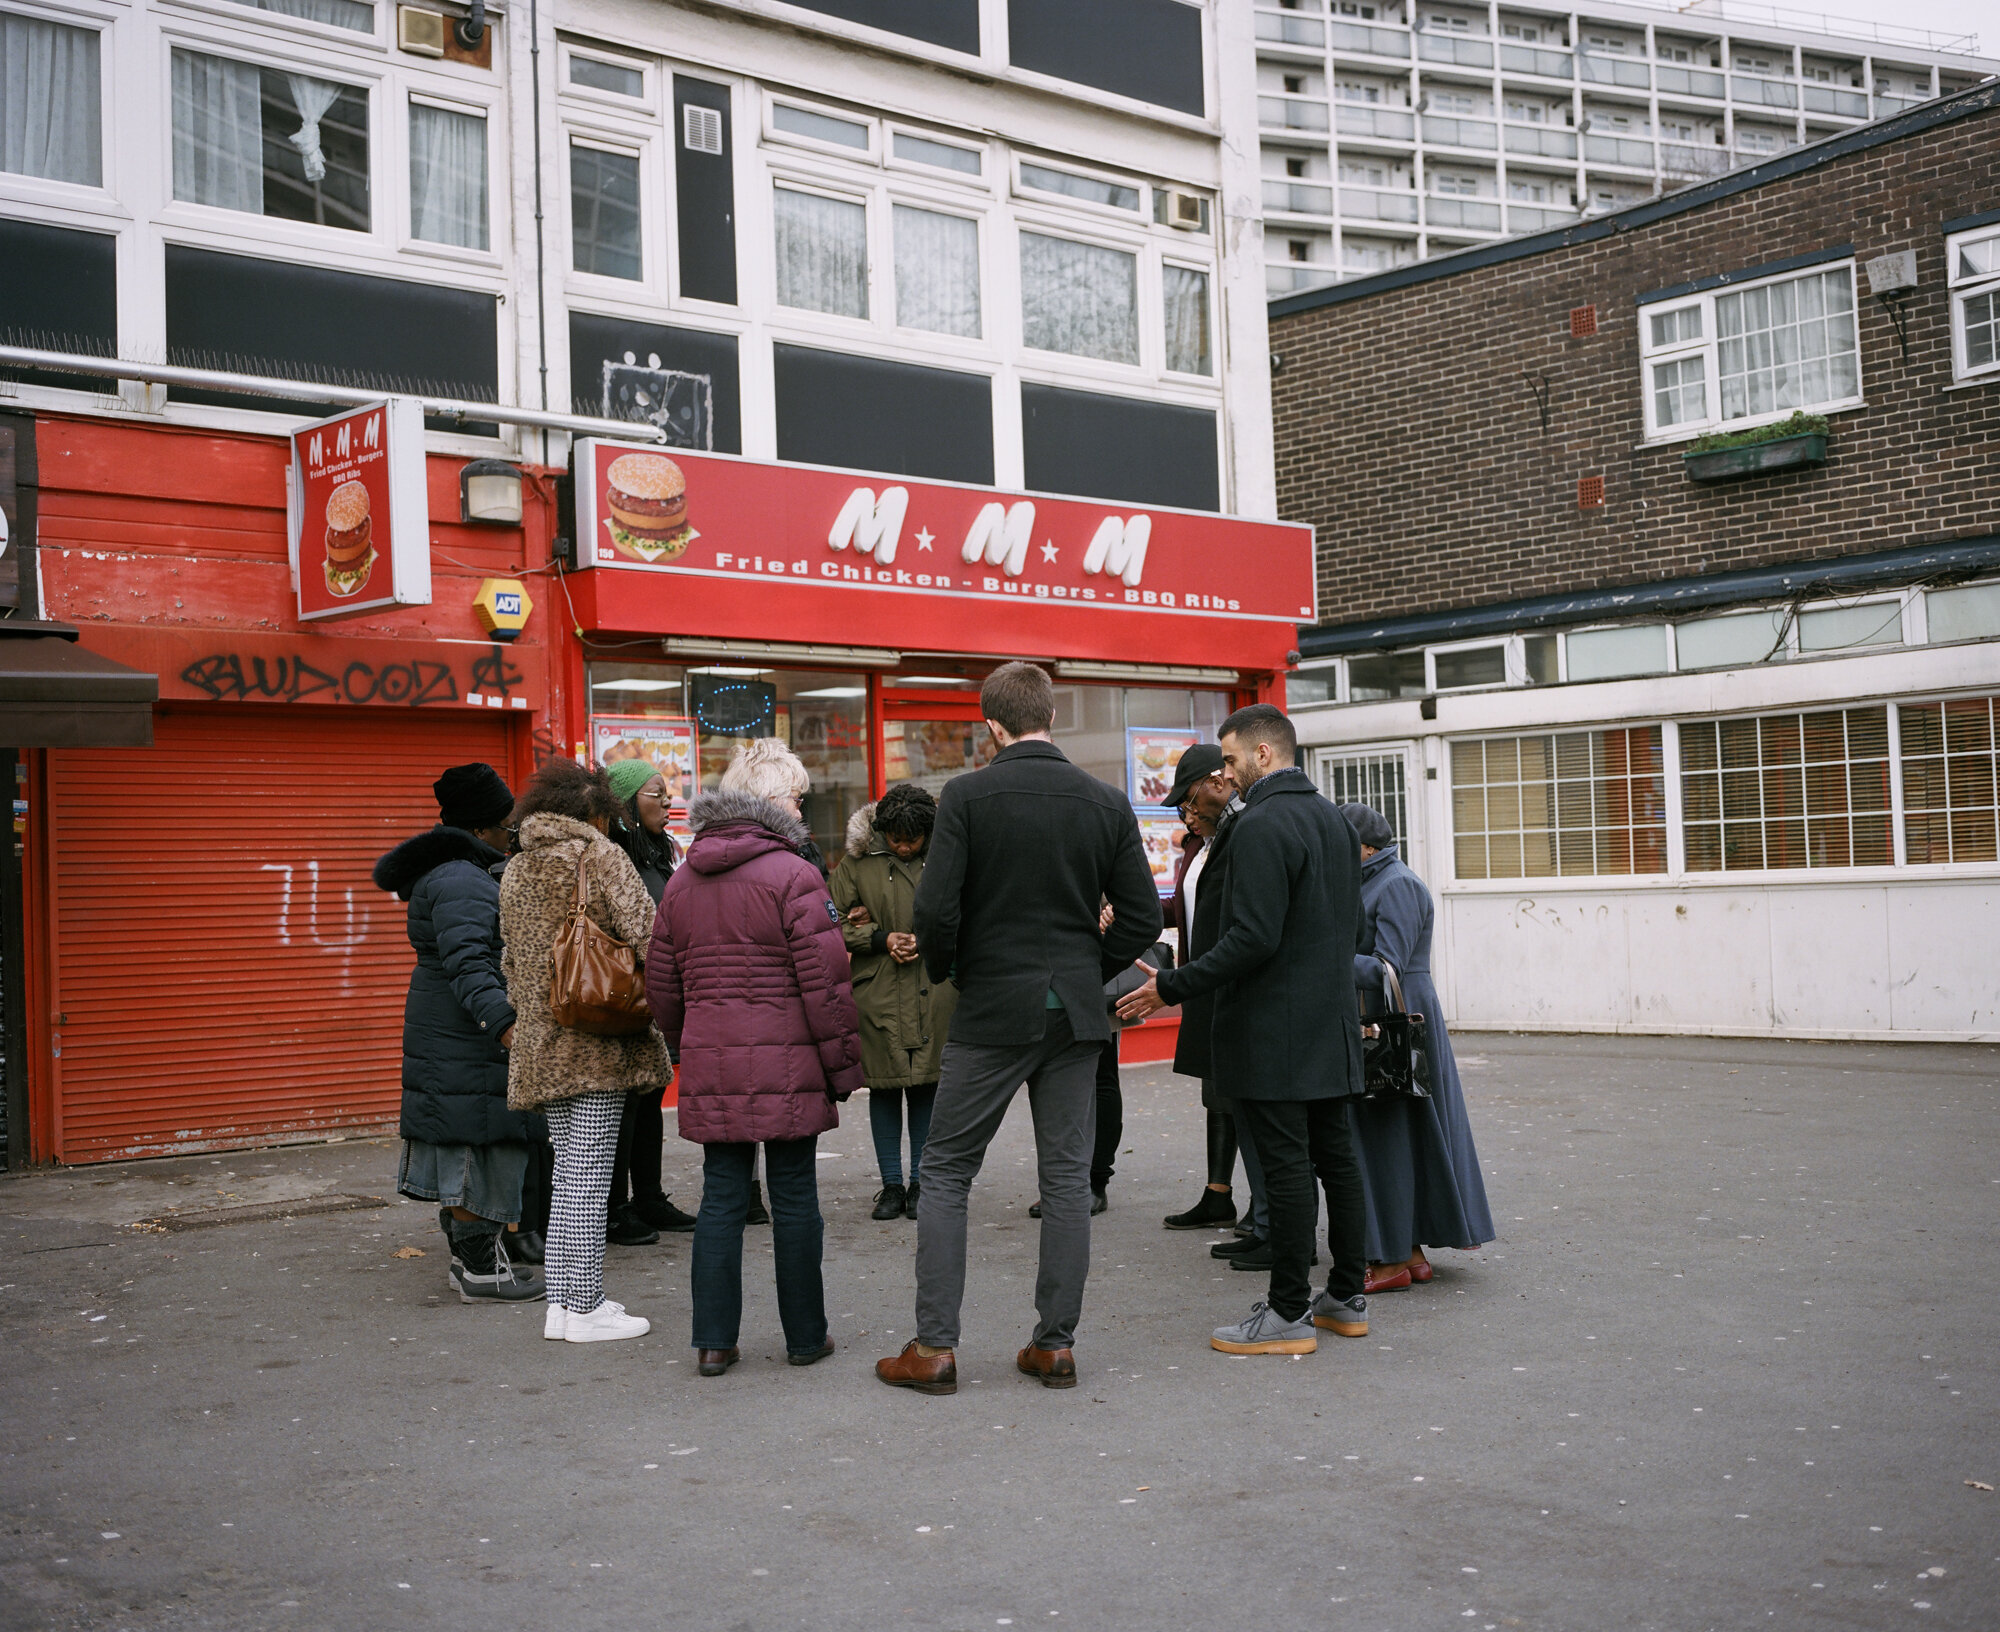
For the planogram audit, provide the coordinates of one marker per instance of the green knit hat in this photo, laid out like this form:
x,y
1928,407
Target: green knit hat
x,y
628,776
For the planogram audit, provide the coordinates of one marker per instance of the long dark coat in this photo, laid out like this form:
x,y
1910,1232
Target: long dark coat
x,y
1023,854
1285,1025
748,978
1418,1164
904,1012
454,1069
1191,1048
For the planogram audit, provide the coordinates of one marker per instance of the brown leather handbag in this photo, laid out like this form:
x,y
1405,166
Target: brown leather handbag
x,y
595,983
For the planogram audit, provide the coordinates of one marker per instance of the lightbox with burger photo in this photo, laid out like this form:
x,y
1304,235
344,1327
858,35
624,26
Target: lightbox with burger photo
x,y
358,511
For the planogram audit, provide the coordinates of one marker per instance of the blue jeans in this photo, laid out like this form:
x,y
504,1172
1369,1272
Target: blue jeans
x,y
792,1183
885,1122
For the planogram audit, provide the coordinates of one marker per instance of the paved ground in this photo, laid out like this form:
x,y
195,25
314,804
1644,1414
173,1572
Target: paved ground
x,y
1731,1365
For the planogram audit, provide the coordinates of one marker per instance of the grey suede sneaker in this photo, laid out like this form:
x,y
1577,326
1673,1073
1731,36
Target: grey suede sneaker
x,y
1349,1319
1267,1332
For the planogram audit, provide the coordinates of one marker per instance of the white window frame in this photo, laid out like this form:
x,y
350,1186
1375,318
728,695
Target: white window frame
x,y
652,223
1961,288
1146,292
496,173
874,225
981,183
910,197
870,155
647,102
43,190
1508,665
1706,349
1183,264
1031,195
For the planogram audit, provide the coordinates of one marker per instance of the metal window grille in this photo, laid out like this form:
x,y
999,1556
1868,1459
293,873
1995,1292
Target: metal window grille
x,y
1567,804
1788,790
1949,807
1378,780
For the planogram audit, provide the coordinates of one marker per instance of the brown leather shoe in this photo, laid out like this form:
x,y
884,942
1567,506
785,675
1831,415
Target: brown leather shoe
x,y
1055,1367
1386,1278
714,1362
926,1373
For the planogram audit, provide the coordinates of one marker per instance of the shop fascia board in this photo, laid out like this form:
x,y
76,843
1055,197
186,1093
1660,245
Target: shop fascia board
x,y
1803,683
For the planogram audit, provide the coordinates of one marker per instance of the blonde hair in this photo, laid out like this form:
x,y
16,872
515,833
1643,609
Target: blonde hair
x,y
764,766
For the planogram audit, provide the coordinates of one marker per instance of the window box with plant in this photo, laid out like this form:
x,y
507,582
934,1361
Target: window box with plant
x,y
1790,444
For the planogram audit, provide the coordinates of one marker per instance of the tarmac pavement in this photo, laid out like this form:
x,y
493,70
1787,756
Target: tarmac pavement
x,y
1732,1364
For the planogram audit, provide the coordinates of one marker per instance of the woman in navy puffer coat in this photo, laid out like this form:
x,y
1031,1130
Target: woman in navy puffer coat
x,y
748,978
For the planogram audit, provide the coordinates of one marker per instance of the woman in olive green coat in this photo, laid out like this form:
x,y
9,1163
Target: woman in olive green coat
x,y
904,1013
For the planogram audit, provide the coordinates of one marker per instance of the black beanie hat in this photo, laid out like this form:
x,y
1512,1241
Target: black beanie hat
x,y
472,796
1370,826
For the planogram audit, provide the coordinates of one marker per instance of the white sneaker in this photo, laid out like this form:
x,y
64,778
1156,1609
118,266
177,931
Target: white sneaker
x,y
605,1324
556,1323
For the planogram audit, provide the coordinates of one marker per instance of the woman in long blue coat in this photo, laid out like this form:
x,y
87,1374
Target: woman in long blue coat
x,y
1418,1166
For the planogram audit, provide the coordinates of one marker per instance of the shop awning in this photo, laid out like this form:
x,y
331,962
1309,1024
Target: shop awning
x,y
56,694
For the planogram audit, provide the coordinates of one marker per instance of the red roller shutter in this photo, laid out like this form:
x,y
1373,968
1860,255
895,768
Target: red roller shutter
x,y
226,973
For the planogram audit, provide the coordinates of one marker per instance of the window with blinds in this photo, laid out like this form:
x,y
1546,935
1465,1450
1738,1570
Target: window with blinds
x,y
1948,780
1565,804
1787,790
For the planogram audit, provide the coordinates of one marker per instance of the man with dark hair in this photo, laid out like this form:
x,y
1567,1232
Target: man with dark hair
x,y
1023,853
1285,1037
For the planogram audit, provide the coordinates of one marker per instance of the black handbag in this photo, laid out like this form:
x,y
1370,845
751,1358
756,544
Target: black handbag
x,y
1159,955
1394,1059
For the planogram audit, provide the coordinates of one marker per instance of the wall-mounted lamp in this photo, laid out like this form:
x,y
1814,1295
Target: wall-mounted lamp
x,y
489,490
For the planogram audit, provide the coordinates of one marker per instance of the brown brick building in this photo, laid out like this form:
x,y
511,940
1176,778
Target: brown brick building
x,y
1685,738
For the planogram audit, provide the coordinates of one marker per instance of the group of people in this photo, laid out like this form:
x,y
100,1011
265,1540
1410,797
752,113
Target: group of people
x,y
994,937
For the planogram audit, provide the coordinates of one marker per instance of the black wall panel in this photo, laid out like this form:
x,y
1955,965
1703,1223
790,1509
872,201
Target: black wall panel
x,y
1101,447
862,413
593,340
950,23
706,198
58,292
1148,49
310,323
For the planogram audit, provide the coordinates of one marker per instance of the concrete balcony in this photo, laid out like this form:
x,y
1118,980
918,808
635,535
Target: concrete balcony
x,y
1297,198
1481,134
1355,119
1541,141
1289,113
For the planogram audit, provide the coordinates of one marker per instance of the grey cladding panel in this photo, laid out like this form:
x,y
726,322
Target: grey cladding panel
x,y
1146,49
1117,448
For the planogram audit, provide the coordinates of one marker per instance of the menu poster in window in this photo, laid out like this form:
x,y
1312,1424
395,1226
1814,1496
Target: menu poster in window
x,y
1161,835
667,745
1151,758
359,512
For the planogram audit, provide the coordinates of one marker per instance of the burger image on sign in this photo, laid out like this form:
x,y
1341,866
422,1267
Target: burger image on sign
x,y
646,497
350,548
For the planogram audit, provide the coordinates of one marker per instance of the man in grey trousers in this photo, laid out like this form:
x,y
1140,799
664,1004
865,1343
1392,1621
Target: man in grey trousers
x,y
1022,857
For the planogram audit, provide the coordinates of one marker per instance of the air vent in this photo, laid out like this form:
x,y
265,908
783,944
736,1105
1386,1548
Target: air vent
x,y
1183,211
1582,322
1590,492
419,32
701,129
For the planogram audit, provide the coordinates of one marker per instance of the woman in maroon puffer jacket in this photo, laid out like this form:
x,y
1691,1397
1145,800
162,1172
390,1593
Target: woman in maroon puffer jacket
x,y
748,978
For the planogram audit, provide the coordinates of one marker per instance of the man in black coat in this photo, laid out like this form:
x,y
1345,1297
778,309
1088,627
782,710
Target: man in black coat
x,y
1285,1038
1023,853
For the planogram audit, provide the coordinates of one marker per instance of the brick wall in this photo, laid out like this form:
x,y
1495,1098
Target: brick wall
x,y
1409,434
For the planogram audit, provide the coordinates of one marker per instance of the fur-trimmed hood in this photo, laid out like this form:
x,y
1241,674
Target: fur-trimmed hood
x,y
862,839
731,827
545,828
404,867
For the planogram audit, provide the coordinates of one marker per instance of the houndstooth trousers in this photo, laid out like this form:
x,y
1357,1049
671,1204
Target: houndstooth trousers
x,y
584,1131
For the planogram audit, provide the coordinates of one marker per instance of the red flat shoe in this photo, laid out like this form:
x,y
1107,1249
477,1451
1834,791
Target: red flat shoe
x,y
1420,1271
1391,1280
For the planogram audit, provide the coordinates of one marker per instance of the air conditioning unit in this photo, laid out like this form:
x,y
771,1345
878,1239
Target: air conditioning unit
x,y
420,32
1183,210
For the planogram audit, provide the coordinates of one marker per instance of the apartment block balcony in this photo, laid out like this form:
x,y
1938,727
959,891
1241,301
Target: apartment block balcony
x,y
1619,150
1459,53
1526,59
1297,198
1371,42
1766,93
1634,76
1287,113
1377,204
1693,161
1480,214
1536,217
1541,141
1289,278
1472,133
1825,99
1351,119
1689,82
1281,30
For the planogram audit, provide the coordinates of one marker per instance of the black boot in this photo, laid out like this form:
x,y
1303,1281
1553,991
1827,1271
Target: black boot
x,y
624,1228
1215,1209
524,1246
480,1272
660,1212
889,1203
758,1213
910,1200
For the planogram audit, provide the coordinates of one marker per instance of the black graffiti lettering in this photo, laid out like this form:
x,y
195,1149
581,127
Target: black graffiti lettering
x,y
262,683
364,692
217,676
494,673
396,682
545,746
432,683
307,680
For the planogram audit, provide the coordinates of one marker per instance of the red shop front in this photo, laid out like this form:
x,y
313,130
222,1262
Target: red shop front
x,y
855,616
210,963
